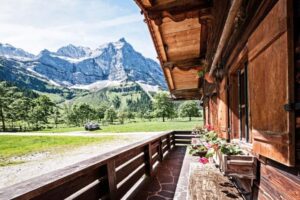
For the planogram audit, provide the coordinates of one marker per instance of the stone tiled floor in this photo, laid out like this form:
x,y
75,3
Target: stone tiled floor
x,y
181,177
163,184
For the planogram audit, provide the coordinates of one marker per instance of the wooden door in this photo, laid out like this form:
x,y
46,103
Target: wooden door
x,y
271,86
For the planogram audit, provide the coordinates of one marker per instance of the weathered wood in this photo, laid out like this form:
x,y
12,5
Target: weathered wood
x,y
270,122
122,158
178,10
240,166
183,141
129,168
169,142
98,191
112,182
123,189
148,159
160,151
155,157
71,187
235,7
256,12
275,183
188,137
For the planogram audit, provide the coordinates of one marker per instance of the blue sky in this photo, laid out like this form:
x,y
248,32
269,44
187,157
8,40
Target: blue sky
x,y
38,24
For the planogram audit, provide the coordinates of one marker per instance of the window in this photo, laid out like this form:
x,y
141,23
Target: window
x,y
243,103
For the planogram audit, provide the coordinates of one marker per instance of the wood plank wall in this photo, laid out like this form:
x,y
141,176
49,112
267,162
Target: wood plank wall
x,y
277,181
297,73
222,110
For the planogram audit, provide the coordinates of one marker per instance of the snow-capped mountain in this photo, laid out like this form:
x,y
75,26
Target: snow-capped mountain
x,y
74,51
9,51
79,67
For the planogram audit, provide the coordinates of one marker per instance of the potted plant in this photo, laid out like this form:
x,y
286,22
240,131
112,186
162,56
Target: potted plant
x,y
198,150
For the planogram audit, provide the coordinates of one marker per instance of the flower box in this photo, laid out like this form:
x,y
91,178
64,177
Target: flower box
x,y
240,166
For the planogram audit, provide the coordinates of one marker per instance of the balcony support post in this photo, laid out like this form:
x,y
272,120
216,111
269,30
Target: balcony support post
x,y
111,174
148,159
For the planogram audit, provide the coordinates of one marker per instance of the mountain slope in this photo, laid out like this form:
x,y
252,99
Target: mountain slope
x,y
74,65
79,74
8,51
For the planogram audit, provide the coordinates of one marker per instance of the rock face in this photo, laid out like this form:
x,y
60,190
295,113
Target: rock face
x,y
9,51
71,65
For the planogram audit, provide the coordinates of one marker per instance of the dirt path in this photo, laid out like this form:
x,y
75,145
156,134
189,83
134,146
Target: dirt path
x,y
41,163
80,133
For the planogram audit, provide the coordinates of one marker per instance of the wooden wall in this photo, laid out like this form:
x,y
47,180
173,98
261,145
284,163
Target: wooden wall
x,y
297,73
270,72
222,110
272,61
271,76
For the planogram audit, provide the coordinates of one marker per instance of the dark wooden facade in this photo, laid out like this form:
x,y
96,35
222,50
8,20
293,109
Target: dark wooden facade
x,y
255,96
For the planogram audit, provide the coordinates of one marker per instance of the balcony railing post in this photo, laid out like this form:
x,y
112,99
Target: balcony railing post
x,y
148,159
168,141
174,142
160,150
111,173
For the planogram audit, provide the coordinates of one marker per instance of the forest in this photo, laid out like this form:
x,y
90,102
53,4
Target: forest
x,y
27,110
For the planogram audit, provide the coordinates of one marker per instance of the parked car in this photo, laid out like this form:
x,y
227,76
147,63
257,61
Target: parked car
x,y
91,126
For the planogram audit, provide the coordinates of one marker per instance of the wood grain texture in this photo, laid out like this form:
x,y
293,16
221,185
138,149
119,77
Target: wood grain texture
x,y
269,87
222,110
278,184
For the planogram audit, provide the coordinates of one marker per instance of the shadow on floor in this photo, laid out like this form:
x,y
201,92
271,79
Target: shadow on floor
x,y
163,184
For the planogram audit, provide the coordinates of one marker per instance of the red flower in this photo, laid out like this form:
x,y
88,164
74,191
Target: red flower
x,y
203,160
209,127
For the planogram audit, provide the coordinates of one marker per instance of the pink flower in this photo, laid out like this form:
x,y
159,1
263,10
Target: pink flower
x,y
207,145
203,160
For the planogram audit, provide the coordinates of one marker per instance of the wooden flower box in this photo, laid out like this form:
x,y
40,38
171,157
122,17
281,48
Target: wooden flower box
x,y
240,166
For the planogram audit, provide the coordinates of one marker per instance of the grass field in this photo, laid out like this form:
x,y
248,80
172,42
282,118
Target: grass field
x,y
139,126
14,146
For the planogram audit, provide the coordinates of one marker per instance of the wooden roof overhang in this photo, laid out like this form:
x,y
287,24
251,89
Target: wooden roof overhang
x,y
181,31
195,35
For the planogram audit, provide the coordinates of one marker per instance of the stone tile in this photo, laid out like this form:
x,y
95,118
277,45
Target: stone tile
x,y
166,194
163,184
168,187
155,197
181,176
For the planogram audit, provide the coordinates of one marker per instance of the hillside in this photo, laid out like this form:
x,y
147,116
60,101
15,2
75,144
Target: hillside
x,y
79,74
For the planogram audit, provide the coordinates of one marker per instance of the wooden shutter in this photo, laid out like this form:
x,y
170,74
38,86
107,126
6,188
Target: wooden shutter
x,y
271,86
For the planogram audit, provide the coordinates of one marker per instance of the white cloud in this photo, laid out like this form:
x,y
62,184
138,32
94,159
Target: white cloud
x,y
35,25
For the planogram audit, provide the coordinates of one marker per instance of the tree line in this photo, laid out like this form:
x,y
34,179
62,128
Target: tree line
x,y
22,109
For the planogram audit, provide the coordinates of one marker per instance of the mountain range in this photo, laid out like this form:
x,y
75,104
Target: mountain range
x,y
78,74
78,67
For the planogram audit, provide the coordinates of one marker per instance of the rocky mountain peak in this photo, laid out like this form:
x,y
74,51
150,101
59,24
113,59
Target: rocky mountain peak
x,y
73,51
115,61
10,51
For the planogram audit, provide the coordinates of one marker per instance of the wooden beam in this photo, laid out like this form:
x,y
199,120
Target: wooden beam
x,y
203,39
185,64
228,27
179,10
256,12
219,13
187,94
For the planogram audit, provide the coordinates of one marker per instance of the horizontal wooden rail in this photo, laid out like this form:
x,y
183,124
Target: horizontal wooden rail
x,y
108,176
183,137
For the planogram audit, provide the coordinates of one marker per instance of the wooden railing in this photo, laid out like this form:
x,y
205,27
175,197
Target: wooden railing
x,y
109,176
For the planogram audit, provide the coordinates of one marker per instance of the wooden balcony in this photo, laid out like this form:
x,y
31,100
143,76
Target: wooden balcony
x,y
156,168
